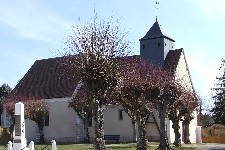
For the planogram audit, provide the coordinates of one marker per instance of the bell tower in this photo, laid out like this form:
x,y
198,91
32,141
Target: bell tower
x,y
155,45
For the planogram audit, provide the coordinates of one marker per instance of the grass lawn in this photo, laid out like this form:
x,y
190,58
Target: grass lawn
x,y
128,146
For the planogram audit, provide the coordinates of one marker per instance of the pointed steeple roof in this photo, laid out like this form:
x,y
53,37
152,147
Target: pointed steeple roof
x,y
156,31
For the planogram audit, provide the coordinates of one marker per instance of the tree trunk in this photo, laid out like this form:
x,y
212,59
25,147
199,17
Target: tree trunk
x,y
186,132
134,131
41,131
11,128
142,140
156,123
176,128
86,132
99,142
162,145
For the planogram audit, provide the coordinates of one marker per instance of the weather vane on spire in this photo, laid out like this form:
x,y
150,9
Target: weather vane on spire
x,y
156,8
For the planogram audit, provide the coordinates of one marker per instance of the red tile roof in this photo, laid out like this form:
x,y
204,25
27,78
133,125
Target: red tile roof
x,y
48,79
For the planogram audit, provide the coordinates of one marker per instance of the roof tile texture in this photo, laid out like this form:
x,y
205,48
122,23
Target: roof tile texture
x,y
48,79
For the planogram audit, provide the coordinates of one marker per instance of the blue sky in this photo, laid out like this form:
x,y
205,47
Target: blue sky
x,y
31,30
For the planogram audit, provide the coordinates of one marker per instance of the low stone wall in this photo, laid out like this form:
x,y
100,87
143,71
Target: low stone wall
x,y
213,140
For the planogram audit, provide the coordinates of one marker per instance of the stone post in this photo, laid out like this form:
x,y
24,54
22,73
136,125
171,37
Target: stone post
x,y
19,140
54,147
31,145
199,134
9,145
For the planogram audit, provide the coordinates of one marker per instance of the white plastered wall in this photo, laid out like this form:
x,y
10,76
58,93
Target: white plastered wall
x,y
30,130
152,131
182,74
114,126
62,126
192,128
61,122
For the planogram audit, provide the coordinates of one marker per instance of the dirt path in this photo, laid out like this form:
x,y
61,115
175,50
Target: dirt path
x,y
207,146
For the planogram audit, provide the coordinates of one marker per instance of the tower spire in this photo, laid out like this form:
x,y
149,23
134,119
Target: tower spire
x,y
156,9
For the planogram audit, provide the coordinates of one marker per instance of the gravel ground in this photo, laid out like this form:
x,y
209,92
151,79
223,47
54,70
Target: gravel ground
x,y
207,146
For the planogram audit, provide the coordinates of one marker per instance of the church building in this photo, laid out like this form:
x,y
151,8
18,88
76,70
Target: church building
x,y
47,81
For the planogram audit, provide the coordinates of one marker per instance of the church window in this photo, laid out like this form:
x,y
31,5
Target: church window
x,y
46,119
165,44
159,44
143,46
120,115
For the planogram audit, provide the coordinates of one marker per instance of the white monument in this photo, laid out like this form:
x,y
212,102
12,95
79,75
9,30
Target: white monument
x,y
19,140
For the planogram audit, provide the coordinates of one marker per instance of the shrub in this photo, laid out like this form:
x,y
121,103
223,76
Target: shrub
x,y
4,136
216,130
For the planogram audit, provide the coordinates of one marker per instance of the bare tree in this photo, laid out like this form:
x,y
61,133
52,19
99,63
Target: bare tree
x,y
82,106
141,88
37,110
166,98
178,109
96,45
189,109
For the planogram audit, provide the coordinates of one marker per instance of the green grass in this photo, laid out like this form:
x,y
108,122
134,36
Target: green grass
x,y
122,146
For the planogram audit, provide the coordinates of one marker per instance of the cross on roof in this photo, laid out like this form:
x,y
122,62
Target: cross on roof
x,y
156,8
